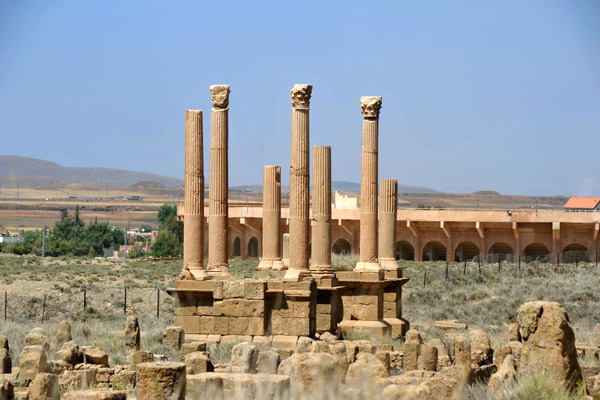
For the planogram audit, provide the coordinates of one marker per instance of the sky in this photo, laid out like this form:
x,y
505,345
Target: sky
x,y
477,95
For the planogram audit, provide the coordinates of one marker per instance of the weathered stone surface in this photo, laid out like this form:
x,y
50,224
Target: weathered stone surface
x,y
244,357
450,383
77,380
93,355
548,341
268,362
205,386
506,372
96,394
481,348
132,334
311,373
513,333
304,344
5,361
4,342
7,391
411,355
462,351
64,334
187,348
35,339
328,337
141,356
32,361
44,387
217,386
161,381
320,347
69,353
413,336
406,392
365,372
428,358
173,337
197,363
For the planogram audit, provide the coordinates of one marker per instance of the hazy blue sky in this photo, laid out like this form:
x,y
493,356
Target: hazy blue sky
x,y
497,95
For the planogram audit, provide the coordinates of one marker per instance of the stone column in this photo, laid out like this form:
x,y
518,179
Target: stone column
x,y
370,107
218,183
388,209
271,222
193,204
321,213
299,185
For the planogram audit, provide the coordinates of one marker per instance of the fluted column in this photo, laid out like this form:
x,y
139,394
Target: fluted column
x,y
370,107
218,183
271,228
388,209
193,205
299,185
321,213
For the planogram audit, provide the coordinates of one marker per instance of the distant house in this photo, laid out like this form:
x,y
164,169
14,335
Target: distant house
x,y
583,204
9,239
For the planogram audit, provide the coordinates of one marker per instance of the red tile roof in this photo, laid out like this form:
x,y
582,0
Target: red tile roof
x,y
583,202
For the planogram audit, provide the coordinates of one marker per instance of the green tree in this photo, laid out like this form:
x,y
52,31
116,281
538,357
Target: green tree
x,y
165,211
98,236
175,226
166,245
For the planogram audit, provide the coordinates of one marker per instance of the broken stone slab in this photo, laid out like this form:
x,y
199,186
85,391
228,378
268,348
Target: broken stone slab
x,y
132,334
173,337
161,381
32,361
244,357
77,380
219,385
450,325
187,348
197,363
268,362
70,353
311,373
35,339
96,394
44,387
94,355
64,334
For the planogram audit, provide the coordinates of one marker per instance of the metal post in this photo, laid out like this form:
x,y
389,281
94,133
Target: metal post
x,y
84,299
558,259
125,302
465,269
479,267
576,258
446,270
44,243
499,265
157,302
44,309
596,258
519,256
5,304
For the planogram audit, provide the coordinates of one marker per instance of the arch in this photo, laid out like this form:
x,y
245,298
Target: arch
x,y
252,248
237,247
466,251
434,251
405,251
500,250
536,252
341,246
574,253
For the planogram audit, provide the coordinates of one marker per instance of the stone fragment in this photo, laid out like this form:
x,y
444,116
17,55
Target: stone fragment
x,y
406,392
35,339
267,362
132,334
64,334
173,337
339,351
197,363
93,355
365,346
32,361
328,337
450,325
364,374
5,362
38,331
4,342
481,348
44,387
410,357
311,373
96,394
187,348
205,386
244,357
320,347
548,341
161,381
69,353
428,358
506,372
141,356
77,380
513,333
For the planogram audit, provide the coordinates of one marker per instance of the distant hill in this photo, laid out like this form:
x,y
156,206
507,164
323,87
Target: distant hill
x,y
354,187
33,172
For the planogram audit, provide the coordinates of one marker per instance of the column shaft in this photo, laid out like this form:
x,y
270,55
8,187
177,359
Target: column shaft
x,y
388,209
321,213
271,232
193,206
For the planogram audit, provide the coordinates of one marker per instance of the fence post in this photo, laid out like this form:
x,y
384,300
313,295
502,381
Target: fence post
x,y
479,266
519,256
465,269
84,299
158,302
499,265
576,258
125,303
446,270
44,309
558,259
5,304
596,258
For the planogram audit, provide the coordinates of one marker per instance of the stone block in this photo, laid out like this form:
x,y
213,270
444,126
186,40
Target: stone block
x,y
238,325
205,386
244,358
298,327
256,326
239,308
197,363
77,380
255,290
234,290
194,285
44,387
428,358
364,312
190,324
218,290
324,322
410,358
372,328
262,342
173,337
284,342
324,308
204,306
214,325
32,361
398,326
161,381
96,394
94,355
302,309
268,362
193,347
185,305
35,339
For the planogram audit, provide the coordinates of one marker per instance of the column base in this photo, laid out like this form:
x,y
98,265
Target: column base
x,y
372,328
275,264
198,272
367,266
322,271
217,269
297,275
399,327
389,263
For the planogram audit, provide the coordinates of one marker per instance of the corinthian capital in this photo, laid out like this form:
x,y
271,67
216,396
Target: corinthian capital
x,y
220,96
370,106
301,96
